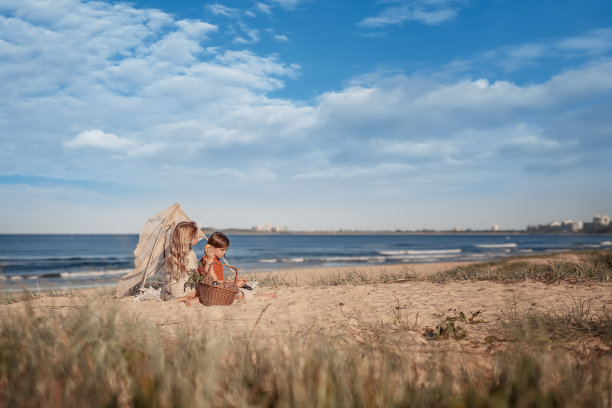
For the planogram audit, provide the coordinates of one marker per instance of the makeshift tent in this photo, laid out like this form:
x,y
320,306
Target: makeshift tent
x,y
152,248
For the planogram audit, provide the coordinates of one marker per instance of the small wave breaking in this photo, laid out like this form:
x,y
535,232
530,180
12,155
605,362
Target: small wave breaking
x,y
490,246
421,251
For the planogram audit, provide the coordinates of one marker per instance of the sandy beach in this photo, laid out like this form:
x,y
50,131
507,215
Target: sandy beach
x,y
305,303
450,332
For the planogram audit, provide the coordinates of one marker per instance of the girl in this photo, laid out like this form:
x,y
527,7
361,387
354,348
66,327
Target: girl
x,y
182,261
215,248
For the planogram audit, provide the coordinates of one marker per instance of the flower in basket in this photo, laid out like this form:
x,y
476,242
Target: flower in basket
x,y
198,275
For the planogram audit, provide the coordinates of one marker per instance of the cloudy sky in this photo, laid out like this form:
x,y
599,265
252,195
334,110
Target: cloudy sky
x,y
314,114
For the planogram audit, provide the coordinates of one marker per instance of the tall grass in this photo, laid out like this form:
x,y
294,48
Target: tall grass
x,y
590,267
560,327
95,357
7,298
361,277
583,267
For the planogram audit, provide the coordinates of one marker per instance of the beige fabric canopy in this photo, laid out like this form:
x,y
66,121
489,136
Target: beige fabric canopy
x,y
152,248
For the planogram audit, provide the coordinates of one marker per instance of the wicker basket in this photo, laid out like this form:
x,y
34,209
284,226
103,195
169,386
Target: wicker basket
x,y
222,294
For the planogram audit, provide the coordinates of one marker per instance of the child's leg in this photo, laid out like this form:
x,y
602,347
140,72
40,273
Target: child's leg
x,y
192,295
190,302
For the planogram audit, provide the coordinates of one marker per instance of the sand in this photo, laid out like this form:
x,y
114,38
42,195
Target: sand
x,y
303,308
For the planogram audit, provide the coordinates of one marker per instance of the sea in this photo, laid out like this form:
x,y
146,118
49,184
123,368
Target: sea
x,y
85,261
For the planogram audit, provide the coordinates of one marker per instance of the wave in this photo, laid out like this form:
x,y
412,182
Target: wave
x,y
510,245
606,243
420,252
400,256
325,259
53,258
353,258
423,256
109,274
282,260
85,274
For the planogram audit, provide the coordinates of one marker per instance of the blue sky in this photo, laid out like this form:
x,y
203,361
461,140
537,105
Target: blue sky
x,y
391,114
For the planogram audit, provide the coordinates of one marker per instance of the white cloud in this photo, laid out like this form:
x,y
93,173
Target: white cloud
x,y
511,58
289,4
367,172
594,42
176,48
264,8
423,11
196,30
533,142
98,139
281,38
406,148
434,17
251,33
221,10
160,107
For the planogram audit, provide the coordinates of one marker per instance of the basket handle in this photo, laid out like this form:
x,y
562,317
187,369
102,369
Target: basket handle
x,y
229,266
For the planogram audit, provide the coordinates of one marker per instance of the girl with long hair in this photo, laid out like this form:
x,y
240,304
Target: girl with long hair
x,y
182,261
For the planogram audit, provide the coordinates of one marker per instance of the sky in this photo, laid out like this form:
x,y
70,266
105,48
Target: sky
x,y
310,114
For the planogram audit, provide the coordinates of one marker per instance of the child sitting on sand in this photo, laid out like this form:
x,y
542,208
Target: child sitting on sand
x,y
215,249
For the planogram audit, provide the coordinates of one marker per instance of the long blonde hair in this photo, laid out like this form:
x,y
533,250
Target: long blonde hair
x,y
183,235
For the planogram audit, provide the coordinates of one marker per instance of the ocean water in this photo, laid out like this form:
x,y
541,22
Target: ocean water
x,y
78,261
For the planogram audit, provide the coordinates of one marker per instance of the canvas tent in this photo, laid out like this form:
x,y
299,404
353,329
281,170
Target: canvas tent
x,y
152,248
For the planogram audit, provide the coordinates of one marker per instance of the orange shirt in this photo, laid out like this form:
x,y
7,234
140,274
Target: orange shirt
x,y
216,267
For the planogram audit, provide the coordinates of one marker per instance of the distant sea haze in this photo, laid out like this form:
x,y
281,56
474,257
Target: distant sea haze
x,y
78,261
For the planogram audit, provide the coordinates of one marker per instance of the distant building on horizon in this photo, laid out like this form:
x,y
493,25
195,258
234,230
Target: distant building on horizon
x,y
600,223
270,228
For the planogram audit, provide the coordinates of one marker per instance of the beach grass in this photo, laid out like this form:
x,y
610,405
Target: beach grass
x,y
573,267
93,354
584,267
96,357
7,298
354,276
270,279
567,326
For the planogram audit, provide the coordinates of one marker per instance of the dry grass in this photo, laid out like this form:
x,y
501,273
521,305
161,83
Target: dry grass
x,y
7,298
270,279
93,357
583,267
578,324
579,268
360,277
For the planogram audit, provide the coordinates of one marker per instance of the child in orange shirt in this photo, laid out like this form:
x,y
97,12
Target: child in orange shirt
x,y
215,249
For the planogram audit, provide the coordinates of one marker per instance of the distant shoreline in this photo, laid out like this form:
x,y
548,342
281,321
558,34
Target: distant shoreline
x,y
238,231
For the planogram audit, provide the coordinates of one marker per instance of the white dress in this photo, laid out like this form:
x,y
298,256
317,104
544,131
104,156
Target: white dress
x,y
179,288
